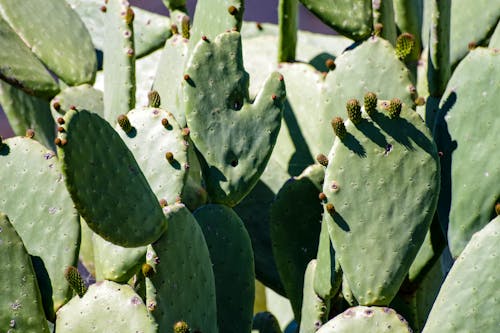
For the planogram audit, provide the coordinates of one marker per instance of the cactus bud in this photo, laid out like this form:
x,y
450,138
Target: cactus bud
x,y
185,26
147,270
322,159
497,208
420,101
370,103
75,280
330,64
56,105
259,26
154,99
339,127
232,10
104,9
394,108
186,131
174,29
163,203
129,15
169,156
181,327
30,133
354,111
165,122
57,142
60,121
187,77
404,45
377,29
124,123
330,208
322,196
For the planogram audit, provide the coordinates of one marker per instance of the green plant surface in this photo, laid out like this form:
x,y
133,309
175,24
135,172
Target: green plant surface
x,y
83,97
97,164
468,298
21,68
182,286
119,60
351,18
495,38
465,132
396,157
235,156
295,227
41,210
314,312
86,254
367,319
21,307
106,306
25,112
68,53
233,265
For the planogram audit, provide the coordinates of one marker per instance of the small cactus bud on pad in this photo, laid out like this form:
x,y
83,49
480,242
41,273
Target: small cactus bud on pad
x,y
147,270
124,123
154,99
169,156
339,127
30,133
232,10
330,64
330,208
322,196
354,111
370,102
181,327
404,45
497,208
185,27
322,159
394,108
75,280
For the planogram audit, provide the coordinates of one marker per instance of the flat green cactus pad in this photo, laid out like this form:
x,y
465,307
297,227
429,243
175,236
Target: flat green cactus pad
x,y
235,136
182,286
233,265
68,53
27,112
314,308
20,305
381,186
468,298
350,18
367,319
40,208
295,227
20,67
106,306
83,97
106,184
156,133
466,132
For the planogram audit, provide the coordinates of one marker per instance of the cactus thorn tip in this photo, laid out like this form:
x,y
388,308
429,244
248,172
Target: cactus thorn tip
x,y
163,203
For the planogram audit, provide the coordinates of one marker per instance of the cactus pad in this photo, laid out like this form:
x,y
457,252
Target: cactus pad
x,y
83,97
234,136
98,165
314,308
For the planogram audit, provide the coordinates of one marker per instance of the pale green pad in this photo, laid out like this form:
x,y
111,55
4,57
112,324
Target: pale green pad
x,y
379,235
352,18
467,133
27,112
40,208
265,322
295,227
86,254
21,68
314,309
116,263
106,184
183,286
64,46
149,141
233,265
367,319
21,307
106,307
83,97
468,299
235,136
119,60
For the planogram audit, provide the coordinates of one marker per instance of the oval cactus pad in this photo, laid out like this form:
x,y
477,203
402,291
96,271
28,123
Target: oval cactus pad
x,y
106,184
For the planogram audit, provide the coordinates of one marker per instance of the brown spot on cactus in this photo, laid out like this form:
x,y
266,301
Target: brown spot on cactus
x,y
377,29
330,208
281,78
169,156
354,110
103,9
57,142
187,77
129,15
154,99
322,159
181,327
440,154
370,102
330,64
130,52
420,101
174,29
394,108
274,97
259,26
64,142
232,10
204,38
497,208
185,26
72,107
60,129
163,203
30,133
165,122
186,131
60,121
472,45
147,270
124,123
404,45
339,127
56,105
322,196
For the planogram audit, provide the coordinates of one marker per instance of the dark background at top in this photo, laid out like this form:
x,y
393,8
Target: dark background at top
x,y
255,10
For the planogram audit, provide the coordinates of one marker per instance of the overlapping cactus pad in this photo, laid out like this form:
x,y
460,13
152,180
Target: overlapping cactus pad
x,y
235,136
97,165
381,186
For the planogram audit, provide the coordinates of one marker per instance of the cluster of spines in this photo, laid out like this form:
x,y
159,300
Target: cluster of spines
x,y
394,108
370,103
75,280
